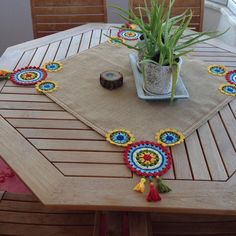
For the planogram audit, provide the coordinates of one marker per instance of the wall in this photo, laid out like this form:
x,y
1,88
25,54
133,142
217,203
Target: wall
x,y
112,17
15,23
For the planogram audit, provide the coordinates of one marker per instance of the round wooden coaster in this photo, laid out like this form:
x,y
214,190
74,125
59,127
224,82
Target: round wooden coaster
x,y
111,79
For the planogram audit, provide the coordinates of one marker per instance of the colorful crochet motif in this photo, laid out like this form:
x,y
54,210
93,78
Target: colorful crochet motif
x,y
28,76
46,86
52,66
228,89
116,41
120,137
217,70
129,26
169,137
231,77
128,34
5,74
147,159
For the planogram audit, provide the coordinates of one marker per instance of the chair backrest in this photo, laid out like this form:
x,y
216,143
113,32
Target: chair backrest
x,y
179,7
51,16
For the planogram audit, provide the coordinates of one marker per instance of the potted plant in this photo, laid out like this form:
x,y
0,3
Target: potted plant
x,y
164,40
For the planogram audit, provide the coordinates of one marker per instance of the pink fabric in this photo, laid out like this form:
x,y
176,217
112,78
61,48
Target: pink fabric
x,y
9,181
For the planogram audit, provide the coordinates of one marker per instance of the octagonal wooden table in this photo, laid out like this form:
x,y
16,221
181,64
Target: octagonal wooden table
x,y
66,164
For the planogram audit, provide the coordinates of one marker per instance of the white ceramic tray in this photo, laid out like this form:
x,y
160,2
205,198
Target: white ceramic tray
x,y
180,92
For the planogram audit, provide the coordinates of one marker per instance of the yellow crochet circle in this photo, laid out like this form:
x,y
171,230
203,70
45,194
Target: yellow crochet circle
x,y
52,66
120,137
169,137
46,86
116,41
4,72
218,70
132,26
228,89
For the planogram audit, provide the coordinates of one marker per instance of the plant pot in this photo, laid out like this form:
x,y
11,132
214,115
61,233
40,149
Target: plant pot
x,y
158,79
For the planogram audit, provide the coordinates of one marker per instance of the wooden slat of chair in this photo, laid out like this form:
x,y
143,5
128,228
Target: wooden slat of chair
x,y
52,16
24,215
164,224
179,7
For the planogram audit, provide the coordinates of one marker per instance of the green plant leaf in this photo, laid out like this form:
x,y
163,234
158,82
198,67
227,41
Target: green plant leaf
x,y
165,37
175,72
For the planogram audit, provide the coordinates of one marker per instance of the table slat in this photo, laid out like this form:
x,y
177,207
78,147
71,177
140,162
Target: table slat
x,y
63,49
85,41
84,157
39,55
53,144
229,123
74,46
196,157
51,52
181,162
10,105
94,170
216,166
36,114
223,143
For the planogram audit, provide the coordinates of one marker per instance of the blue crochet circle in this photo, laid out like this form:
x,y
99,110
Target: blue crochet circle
x,y
217,70
46,86
169,137
229,89
128,34
52,66
120,137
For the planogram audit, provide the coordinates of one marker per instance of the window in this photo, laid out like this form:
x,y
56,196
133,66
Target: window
x,y
232,5
222,2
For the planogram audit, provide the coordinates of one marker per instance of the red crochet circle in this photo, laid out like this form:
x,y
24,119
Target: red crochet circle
x,y
144,172
26,68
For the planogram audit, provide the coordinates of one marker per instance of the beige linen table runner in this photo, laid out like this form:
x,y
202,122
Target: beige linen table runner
x,y
81,94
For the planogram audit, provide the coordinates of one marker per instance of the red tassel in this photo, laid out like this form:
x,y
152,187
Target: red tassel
x,y
153,195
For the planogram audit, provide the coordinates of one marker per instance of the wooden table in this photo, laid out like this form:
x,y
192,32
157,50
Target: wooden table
x,y
67,164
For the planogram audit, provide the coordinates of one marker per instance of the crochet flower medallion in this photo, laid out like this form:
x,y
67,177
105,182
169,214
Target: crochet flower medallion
x,y
120,137
128,34
231,77
169,137
5,74
217,70
129,26
228,89
28,75
52,66
116,41
46,86
147,159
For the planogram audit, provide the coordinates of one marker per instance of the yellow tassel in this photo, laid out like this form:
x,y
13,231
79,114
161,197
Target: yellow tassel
x,y
140,186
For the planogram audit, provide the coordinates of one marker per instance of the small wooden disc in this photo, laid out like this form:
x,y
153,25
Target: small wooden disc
x,y
111,79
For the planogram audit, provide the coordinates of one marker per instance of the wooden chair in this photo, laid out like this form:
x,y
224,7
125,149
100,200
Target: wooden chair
x,y
179,7
51,16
